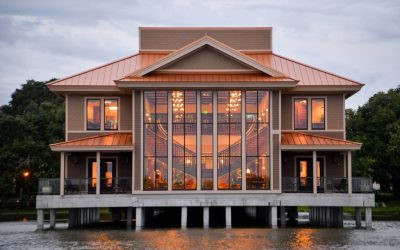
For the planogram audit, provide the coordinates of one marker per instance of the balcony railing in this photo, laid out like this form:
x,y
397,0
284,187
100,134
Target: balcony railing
x,y
121,185
326,185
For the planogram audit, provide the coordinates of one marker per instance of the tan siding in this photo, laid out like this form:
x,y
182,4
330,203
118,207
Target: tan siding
x,y
77,164
125,164
137,134
286,111
76,112
335,112
206,59
126,113
246,39
275,163
334,134
275,110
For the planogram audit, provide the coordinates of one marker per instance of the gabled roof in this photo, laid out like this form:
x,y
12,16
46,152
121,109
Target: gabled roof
x,y
297,140
113,141
206,41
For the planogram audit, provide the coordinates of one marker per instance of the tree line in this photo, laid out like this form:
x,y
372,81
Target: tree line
x,y
34,118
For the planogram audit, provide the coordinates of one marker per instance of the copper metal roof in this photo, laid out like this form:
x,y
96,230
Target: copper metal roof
x,y
302,139
110,141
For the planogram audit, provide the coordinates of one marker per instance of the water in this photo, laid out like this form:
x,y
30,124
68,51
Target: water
x,y
23,235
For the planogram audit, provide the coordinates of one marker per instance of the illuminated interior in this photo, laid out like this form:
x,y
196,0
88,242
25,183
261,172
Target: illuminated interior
x,y
94,171
206,110
300,113
108,174
110,114
93,114
318,113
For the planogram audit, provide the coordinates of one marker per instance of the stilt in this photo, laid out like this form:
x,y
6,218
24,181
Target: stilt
x,y
40,219
206,217
293,214
283,216
368,217
228,217
183,217
358,216
273,216
139,218
52,218
129,217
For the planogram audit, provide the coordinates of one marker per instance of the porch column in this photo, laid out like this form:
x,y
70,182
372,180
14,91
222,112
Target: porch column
x,y
52,218
133,171
97,173
206,217
314,164
62,171
349,176
228,217
368,217
183,217
40,219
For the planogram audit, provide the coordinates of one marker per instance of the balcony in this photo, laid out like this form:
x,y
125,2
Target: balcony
x,y
326,185
121,185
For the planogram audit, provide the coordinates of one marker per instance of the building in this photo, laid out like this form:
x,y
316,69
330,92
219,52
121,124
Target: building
x,y
205,118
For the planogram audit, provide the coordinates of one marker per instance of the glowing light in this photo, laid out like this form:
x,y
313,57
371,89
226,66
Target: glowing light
x,y
248,171
26,174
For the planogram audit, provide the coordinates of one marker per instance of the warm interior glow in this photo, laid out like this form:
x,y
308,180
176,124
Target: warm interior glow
x,y
300,114
318,113
111,114
303,173
26,174
94,172
93,114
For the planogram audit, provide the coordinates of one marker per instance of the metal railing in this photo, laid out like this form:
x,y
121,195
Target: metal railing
x,y
49,186
326,185
121,185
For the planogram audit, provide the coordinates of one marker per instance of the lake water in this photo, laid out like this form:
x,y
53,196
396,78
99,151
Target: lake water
x,y
23,235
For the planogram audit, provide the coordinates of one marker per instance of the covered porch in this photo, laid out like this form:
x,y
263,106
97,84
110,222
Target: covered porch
x,y
318,164
93,165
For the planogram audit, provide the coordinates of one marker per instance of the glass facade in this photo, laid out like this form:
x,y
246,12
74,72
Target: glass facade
x,y
229,127
257,140
110,114
222,109
93,114
318,113
206,109
300,113
184,132
155,137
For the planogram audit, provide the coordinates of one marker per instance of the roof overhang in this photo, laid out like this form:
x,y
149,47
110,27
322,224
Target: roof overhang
x,y
90,148
310,89
320,147
206,41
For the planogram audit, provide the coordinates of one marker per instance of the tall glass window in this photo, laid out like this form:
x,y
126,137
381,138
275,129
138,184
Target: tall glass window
x,y
93,114
110,114
257,140
206,109
155,163
300,113
229,139
318,113
184,130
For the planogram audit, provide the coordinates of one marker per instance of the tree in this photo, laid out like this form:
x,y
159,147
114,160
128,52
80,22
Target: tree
x,y
32,120
377,125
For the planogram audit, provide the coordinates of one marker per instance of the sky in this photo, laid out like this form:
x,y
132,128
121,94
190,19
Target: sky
x,y
46,39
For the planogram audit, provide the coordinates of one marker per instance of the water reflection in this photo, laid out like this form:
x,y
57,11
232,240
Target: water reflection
x,y
23,235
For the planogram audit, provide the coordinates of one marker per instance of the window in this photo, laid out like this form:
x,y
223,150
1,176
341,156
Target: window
x,y
229,129
93,114
184,145
318,113
257,140
300,113
155,137
206,109
110,114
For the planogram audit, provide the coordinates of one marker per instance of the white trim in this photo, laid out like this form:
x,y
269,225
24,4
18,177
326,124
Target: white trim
x,y
349,173
170,139
321,131
133,142
62,173
87,158
90,148
98,131
280,139
102,104
198,140
309,112
206,40
215,141
244,162
141,140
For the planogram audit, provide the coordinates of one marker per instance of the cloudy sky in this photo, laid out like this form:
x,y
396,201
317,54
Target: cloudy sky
x,y
43,39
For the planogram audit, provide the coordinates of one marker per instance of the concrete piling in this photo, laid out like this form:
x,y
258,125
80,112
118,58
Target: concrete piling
x,y
206,217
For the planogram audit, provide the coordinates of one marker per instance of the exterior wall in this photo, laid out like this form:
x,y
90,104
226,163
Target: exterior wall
x,y
275,127
172,38
334,114
76,116
275,162
206,59
76,163
335,165
137,135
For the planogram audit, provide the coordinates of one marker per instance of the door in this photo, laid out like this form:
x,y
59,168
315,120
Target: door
x,y
304,170
108,169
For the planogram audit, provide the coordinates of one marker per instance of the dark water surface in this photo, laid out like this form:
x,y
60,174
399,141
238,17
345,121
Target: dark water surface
x,y
23,235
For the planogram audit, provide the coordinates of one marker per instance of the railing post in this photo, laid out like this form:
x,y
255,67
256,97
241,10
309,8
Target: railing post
x,y
349,175
314,172
62,171
97,173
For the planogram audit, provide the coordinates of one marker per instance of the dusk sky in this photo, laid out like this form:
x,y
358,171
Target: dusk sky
x,y
45,39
